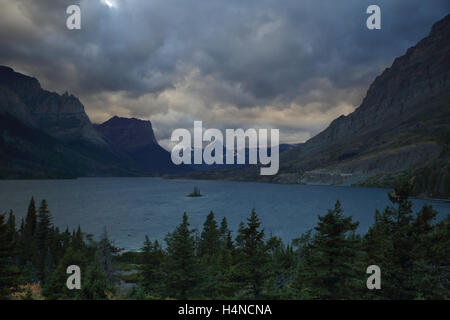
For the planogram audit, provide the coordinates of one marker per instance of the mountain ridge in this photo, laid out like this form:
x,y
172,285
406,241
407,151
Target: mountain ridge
x,y
47,135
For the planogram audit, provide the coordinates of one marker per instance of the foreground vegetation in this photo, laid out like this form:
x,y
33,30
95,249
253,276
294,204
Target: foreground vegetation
x,y
328,262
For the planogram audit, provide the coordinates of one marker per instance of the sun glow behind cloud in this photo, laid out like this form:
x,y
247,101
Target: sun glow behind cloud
x,y
109,3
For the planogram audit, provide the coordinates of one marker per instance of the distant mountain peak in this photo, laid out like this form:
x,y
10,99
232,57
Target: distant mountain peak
x,y
116,120
127,133
135,138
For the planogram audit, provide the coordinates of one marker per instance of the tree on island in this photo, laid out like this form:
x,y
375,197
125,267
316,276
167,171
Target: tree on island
x,y
195,193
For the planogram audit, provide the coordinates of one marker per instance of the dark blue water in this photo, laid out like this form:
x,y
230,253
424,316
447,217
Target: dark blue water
x,y
130,208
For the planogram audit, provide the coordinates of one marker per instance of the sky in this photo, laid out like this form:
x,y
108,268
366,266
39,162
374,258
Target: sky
x,y
294,65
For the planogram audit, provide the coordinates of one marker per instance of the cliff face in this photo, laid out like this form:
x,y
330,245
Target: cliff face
x,y
60,116
47,135
126,133
136,139
400,130
401,92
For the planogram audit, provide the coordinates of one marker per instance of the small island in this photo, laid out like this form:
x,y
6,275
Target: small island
x,y
195,193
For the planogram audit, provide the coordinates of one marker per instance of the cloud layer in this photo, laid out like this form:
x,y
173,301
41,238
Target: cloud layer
x,y
292,64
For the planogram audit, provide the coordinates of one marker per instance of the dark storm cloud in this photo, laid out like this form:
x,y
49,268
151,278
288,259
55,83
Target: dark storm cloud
x,y
214,53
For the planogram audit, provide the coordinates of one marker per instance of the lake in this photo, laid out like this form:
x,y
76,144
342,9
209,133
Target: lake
x,y
131,208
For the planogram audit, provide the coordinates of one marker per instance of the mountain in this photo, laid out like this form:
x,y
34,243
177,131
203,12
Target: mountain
x,y
400,131
47,135
136,139
60,116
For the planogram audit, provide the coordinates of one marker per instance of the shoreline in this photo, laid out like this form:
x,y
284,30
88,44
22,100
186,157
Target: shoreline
x,y
190,178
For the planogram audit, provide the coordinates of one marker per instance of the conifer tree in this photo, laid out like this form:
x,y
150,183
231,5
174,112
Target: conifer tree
x,y
43,238
66,239
224,277
226,240
240,235
152,258
390,238
55,287
281,268
77,239
11,223
29,247
209,244
329,270
223,230
105,257
96,286
30,221
427,262
406,250
253,256
209,251
8,270
181,268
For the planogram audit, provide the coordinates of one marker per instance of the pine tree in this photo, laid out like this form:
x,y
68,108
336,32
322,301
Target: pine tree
x,y
209,244
240,235
96,286
389,244
105,257
66,239
152,258
29,246
223,230
43,238
55,287
439,253
11,223
181,268
77,239
403,258
427,269
328,270
281,269
253,257
406,249
8,270
226,240
224,276
31,221
209,251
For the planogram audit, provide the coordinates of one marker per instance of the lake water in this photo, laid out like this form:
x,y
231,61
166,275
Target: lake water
x,y
131,208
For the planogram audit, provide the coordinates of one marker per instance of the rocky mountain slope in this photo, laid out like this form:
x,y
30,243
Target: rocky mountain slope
x,y
47,135
400,131
61,116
